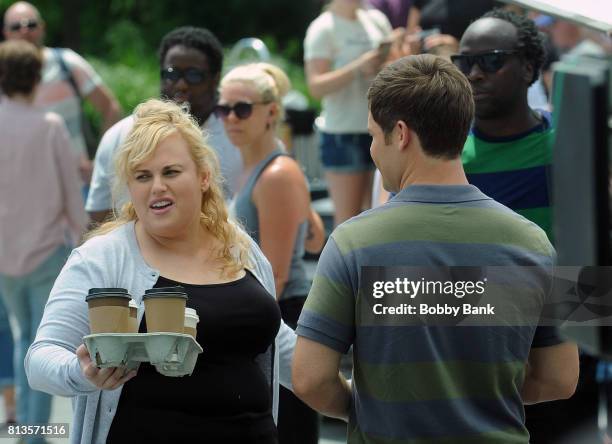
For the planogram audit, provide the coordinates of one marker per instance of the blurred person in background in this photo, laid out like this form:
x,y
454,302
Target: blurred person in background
x,y
273,204
396,11
344,48
67,79
449,16
7,370
574,40
39,166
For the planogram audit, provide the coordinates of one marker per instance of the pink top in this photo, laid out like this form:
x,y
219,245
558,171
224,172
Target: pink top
x,y
40,187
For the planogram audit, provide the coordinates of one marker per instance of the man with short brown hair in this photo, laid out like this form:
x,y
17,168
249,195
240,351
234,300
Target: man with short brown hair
x,y
432,95
433,383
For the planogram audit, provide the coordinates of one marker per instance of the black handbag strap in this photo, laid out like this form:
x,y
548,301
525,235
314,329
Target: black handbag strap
x,y
67,73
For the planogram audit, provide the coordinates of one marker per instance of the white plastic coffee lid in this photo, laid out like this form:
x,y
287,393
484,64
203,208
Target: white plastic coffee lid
x,y
190,312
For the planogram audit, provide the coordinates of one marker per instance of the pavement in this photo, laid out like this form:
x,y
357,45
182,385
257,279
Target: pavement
x,y
332,431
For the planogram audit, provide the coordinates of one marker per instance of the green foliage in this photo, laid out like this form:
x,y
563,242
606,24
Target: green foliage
x,y
120,37
132,83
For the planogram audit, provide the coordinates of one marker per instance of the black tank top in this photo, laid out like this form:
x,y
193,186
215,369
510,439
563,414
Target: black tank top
x,y
227,398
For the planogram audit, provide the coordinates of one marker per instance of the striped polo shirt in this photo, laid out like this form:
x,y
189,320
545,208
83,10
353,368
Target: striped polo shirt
x,y
515,171
429,384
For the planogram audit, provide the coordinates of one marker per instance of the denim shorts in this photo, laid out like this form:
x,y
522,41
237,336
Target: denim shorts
x,y
349,153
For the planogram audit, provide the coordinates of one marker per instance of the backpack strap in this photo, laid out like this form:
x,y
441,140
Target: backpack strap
x,y
57,52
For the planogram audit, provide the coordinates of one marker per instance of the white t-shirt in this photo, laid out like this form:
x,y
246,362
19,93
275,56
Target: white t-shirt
x,y
341,41
55,93
100,192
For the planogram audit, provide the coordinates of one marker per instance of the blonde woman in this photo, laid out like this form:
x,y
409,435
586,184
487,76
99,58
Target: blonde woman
x,y
273,203
174,231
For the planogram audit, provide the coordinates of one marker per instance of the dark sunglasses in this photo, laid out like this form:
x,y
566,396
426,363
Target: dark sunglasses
x,y
242,110
489,62
25,23
192,76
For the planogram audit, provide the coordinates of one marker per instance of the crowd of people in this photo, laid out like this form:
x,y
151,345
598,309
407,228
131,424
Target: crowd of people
x,y
436,138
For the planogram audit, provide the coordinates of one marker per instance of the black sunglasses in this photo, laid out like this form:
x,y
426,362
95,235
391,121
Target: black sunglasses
x,y
242,110
25,23
489,62
192,76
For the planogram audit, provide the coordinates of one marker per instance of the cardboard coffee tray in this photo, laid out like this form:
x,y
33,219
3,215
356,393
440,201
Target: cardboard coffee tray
x,y
172,354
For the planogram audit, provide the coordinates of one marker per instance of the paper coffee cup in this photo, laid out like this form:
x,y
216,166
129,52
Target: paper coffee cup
x,y
165,309
133,317
191,322
108,310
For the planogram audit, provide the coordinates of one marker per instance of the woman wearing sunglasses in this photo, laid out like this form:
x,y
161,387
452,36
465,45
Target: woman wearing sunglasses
x,y
273,203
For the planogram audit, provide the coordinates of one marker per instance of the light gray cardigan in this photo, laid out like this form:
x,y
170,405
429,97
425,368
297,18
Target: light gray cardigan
x,y
114,260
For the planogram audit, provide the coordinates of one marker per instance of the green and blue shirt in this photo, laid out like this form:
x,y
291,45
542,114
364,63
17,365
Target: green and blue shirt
x,y
431,384
515,171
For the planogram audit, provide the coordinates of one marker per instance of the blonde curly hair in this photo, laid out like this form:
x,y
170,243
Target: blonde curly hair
x,y
154,120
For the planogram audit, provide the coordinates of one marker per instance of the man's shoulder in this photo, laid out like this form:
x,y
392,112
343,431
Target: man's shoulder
x,y
114,136
69,56
484,222
529,149
365,226
123,126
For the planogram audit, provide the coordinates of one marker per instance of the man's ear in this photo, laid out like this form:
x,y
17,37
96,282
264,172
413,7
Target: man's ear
x,y
403,133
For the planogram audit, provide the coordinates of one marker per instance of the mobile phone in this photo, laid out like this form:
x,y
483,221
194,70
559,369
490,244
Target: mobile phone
x,y
383,49
422,35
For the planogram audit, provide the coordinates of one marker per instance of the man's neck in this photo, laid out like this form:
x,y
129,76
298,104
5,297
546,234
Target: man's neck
x,y
431,171
517,122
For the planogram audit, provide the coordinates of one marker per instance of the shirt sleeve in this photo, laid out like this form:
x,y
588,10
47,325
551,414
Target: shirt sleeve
x,y
546,337
318,43
381,20
100,191
86,77
328,316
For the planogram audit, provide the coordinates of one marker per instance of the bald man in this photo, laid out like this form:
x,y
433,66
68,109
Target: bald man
x,y
56,91
508,153
508,156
